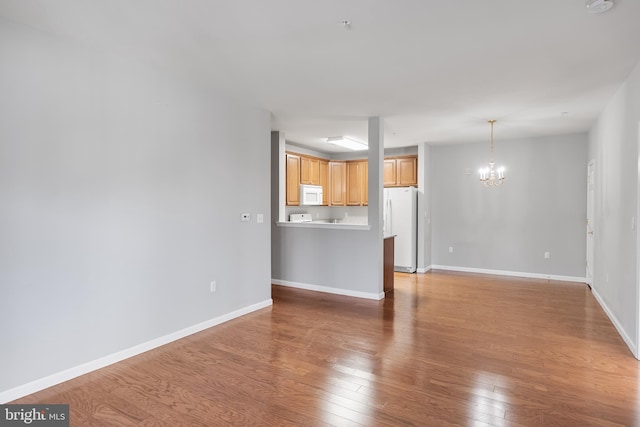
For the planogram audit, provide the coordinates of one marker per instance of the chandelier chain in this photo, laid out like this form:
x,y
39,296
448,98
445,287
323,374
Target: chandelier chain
x,y
492,122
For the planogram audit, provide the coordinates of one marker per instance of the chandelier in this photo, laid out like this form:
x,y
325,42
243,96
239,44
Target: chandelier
x,y
492,177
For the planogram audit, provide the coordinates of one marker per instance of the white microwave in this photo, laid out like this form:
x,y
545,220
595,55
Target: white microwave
x,y
310,194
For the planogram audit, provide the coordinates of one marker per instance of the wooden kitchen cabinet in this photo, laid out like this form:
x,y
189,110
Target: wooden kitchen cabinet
x,y
401,171
365,183
309,170
337,183
357,183
390,172
344,183
353,184
323,172
302,169
293,179
407,170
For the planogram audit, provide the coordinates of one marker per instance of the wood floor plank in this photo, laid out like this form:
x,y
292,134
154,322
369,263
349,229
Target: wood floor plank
x,y
444,349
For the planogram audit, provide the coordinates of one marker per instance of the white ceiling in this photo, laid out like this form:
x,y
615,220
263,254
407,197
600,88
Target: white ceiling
x,y
435,70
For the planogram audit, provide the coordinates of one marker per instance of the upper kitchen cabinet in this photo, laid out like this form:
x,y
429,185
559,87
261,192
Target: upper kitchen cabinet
x,y
323,167
302,169
309,170
401,171
357,183
390,174
293,179
365,183
337,183
344,183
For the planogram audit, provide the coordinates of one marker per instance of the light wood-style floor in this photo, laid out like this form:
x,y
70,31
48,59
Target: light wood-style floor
x,y
444,349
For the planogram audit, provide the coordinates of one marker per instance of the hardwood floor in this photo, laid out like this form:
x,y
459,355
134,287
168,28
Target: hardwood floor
x,y
443,349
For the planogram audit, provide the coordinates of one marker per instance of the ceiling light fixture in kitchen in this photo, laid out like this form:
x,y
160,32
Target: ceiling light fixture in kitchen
x,y
346,142
490,176
598,6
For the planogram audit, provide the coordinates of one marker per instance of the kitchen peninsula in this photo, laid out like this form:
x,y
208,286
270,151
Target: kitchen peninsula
x,y
340,250
388,261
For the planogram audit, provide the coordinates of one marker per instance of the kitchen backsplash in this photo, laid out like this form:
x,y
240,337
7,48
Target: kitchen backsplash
x,y
351,214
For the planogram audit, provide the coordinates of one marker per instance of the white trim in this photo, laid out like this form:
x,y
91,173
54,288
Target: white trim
x,y
615,322
510,273
67,374
423,270
336,226
591,194
329,290
636,353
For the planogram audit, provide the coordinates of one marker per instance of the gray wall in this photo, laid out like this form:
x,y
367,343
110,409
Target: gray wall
x,y
613,144
121,190
303,150
541,206
401,151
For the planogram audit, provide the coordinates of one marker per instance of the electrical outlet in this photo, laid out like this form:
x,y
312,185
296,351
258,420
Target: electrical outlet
x,y
212,286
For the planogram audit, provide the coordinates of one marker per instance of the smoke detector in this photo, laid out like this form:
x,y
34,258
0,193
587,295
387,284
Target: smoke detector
x,y
598,6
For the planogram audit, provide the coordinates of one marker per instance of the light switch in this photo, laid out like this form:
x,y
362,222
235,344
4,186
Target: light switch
x,y
259,218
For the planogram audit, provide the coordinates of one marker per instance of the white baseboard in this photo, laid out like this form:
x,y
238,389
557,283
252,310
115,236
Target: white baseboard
x,y
67,374
632,346
509,273
423,270
329,290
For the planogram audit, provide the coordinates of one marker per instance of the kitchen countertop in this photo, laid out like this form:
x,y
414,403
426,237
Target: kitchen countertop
x,y
325,224
328,224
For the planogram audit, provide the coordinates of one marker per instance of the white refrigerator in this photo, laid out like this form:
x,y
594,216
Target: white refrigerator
x,y
401,220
